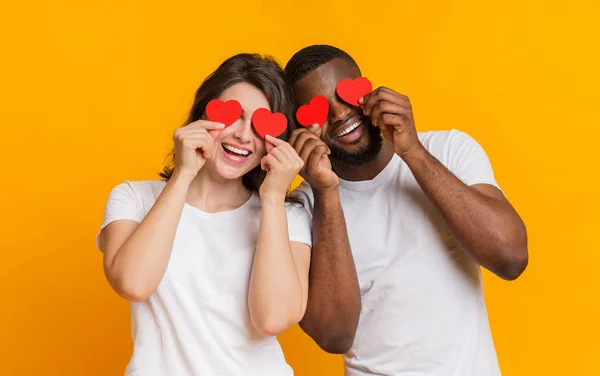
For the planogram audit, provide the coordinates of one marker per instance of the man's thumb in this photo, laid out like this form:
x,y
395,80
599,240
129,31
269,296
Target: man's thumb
x,y
316,129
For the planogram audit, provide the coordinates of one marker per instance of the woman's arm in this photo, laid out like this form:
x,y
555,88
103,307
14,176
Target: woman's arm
x,y
136,254
279,281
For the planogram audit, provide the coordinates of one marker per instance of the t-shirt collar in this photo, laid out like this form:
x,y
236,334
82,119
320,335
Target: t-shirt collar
x,y
383,177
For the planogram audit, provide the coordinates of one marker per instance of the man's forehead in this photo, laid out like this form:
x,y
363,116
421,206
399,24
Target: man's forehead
x,y
323,80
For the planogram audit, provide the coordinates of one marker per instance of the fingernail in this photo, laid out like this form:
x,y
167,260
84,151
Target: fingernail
x,y
221,125
361,100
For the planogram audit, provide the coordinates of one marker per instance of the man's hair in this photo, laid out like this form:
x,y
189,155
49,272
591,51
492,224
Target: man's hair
x,y
310,58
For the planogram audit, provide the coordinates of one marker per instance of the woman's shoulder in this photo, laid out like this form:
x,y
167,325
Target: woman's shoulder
x,y
144,191
147,186
295,209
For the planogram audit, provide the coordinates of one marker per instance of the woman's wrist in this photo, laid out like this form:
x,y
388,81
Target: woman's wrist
x,y
270,197
180,176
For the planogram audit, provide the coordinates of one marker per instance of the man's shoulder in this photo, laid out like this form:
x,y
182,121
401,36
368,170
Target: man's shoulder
x,y
444,135
443,141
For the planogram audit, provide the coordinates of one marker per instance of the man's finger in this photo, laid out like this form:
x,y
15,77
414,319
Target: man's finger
x,y
302,139
315,158
308,148
316,130
385,107
371,99
387,132
298,135
392,91
294,136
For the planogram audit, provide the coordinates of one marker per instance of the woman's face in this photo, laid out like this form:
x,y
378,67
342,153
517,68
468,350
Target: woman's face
x,y
238,148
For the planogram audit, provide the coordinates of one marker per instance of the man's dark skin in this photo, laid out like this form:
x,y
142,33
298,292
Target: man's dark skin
x,y
479,217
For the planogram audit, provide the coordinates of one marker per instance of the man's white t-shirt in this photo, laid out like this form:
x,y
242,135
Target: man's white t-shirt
x,y
197,321
423,311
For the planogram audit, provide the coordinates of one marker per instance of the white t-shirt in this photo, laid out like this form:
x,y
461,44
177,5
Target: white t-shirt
x,y
423,311
197,321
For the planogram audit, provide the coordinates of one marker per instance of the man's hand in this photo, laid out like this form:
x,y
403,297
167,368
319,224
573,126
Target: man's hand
x,y
315,154
392,113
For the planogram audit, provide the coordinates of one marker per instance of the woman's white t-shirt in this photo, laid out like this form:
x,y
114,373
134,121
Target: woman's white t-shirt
x,y
197,321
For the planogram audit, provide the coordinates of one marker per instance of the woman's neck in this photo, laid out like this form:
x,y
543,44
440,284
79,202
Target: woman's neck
x,y
211,193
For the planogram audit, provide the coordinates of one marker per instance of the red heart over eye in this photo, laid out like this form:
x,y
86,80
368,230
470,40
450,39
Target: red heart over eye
x,y
314,112
351,91
267,123
223,112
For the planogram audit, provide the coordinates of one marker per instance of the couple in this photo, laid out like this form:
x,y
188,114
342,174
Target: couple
x,y
376,254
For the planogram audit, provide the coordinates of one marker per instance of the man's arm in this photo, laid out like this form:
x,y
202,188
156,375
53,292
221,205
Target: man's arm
x,y
479,217
481,220
333,306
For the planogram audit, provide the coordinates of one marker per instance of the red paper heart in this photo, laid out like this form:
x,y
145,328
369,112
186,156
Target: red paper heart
x,y
267,123
351,91
223,112
314,112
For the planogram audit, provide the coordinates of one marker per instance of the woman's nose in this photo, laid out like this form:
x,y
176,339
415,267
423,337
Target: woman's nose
x,y
243,131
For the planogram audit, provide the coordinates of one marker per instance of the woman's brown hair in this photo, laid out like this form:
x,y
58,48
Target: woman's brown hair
x,y
263,72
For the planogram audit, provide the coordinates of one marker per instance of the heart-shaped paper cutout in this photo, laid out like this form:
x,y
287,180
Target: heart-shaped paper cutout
x,y
351,91
267,123
314,112
223,112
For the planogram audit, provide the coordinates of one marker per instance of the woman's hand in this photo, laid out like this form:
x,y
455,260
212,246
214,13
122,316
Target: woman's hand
x,y
193,146
282,164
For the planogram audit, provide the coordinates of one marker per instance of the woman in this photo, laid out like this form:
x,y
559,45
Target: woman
x,y
213,259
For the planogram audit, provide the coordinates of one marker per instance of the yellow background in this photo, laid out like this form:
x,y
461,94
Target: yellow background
x,y
90,96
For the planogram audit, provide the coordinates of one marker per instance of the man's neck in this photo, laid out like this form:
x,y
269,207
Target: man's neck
x,y
367,171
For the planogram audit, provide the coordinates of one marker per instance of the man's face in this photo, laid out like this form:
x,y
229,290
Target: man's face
x,y
352,138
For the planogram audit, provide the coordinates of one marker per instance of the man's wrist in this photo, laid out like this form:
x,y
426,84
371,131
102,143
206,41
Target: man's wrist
x,y
415,155
328,195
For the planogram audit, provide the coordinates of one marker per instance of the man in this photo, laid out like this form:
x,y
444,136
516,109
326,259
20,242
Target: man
x,y
420,211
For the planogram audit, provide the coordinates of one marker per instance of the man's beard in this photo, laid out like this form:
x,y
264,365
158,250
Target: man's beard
x,y
364,155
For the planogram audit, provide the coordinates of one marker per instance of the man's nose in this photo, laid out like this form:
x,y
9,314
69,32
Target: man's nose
x,y
338,110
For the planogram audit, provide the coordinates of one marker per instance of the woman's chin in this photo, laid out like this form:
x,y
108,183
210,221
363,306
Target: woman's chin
x,y
229,172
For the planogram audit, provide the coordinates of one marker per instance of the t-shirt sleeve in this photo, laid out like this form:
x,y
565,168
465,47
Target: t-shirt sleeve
x,y
304,193
122,203
467,160
299,224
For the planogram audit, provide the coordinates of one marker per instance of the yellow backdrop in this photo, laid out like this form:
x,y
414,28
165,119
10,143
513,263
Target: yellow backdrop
x,y
90,96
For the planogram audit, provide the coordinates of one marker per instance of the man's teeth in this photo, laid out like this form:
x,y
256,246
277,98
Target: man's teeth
x,y
236,150
349,129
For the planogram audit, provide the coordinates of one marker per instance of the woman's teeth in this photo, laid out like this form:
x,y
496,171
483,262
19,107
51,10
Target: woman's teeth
x,y
235,150
349,129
